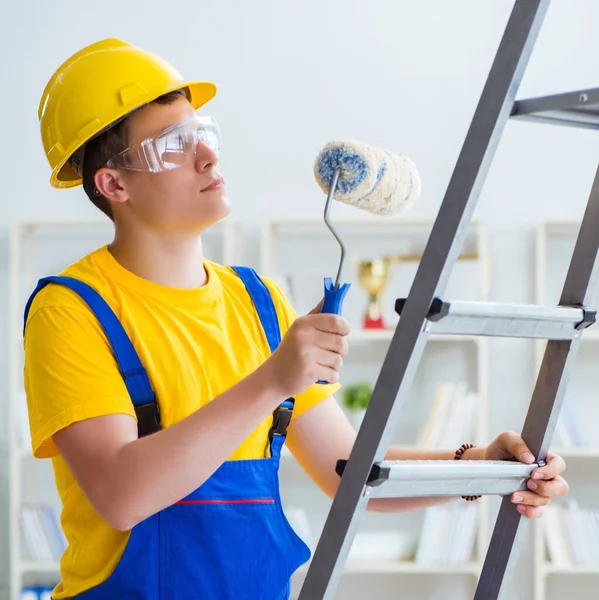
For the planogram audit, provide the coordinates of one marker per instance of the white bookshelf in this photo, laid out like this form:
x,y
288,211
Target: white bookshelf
x,y
565,571
39,248
298,254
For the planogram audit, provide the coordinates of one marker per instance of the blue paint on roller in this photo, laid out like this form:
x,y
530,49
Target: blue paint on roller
x,y
350,162
380,174
355,170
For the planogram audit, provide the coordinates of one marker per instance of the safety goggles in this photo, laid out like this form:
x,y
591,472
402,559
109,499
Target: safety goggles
x,y
172,148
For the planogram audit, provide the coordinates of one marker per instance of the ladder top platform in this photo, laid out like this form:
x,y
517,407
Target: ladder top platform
x,y
571,109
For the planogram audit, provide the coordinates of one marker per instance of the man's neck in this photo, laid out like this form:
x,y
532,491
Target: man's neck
x,y
172,261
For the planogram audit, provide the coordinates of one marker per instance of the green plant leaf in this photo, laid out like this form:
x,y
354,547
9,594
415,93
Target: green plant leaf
x,y
356,396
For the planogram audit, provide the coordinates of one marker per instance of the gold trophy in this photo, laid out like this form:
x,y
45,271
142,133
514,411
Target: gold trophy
x,y
373,277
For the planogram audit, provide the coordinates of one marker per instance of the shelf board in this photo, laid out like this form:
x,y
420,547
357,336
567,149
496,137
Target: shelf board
x,y
362,226
571,109
362,218
591,335
569,452
551,569
24,452
39,566
381,566
66,223
385,335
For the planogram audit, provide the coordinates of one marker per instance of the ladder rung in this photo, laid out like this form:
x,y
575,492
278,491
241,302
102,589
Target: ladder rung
x,y
506,320
414,478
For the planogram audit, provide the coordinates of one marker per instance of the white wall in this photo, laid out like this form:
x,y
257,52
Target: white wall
x,y
405,74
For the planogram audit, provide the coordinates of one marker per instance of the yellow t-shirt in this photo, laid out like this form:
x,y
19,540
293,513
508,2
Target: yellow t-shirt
x,y
194,344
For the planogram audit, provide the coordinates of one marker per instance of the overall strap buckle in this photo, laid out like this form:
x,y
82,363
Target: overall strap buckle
x,y
281,419
146,407
148,418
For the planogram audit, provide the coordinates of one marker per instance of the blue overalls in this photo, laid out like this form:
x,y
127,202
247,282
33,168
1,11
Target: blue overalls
x,y
229,539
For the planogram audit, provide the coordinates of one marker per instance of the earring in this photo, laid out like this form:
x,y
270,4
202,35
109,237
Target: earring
x,y
96,192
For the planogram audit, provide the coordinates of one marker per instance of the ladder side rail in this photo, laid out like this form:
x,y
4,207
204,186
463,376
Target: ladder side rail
x,y
548,395
407,344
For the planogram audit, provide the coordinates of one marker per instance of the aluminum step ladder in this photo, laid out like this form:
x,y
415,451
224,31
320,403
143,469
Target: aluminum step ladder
x,y
365,474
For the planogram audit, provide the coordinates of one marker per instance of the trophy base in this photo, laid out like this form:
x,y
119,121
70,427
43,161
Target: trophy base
x,y
373,323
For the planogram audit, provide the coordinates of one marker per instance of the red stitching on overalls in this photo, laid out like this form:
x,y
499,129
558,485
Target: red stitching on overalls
x,y
247,501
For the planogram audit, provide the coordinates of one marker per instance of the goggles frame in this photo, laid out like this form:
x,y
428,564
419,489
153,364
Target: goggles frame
x,y
179,141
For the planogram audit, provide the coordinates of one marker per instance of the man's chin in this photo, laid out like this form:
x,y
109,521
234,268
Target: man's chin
x,y
211,217
222,209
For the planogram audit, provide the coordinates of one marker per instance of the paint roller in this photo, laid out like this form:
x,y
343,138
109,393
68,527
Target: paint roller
x,y
373,179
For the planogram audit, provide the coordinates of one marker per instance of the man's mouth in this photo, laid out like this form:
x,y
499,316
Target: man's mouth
x,y
215,185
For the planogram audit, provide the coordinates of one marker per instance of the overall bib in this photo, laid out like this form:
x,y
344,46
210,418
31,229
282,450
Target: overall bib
x,y
227,540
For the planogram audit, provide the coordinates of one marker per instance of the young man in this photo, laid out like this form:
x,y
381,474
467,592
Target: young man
x,y
160,383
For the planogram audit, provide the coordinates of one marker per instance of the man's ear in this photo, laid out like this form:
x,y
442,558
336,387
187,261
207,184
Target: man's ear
x,y
110,185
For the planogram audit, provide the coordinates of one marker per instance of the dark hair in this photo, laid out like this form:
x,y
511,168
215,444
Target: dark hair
x,y
105,145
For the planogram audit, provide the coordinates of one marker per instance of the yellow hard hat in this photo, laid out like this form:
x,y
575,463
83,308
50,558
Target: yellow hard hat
x,y
96,87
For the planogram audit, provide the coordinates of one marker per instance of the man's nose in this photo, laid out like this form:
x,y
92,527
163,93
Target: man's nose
x,y
206,158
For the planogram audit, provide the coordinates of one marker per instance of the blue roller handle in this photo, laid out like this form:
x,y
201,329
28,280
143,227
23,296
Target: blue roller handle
x,y
333,301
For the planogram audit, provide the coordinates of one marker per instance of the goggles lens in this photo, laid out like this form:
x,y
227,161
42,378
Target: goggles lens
x,y
172,148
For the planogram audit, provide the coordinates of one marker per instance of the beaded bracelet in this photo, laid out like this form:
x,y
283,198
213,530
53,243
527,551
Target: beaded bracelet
x,y
457,456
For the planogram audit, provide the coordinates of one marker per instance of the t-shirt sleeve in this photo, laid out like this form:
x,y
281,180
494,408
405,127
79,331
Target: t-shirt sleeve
x,y
287,315
70,374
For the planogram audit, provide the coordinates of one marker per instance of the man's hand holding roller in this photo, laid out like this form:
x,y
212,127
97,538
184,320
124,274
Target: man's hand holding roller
x,y
312,350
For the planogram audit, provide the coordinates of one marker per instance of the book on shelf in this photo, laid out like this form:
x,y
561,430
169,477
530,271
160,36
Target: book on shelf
x,y
451,420
23,433
449,530
570,430
43,539
36,593
448,534
571,534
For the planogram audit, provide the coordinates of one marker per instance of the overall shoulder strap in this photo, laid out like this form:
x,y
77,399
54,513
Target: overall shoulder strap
x,y
267,314
134,374
262,300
